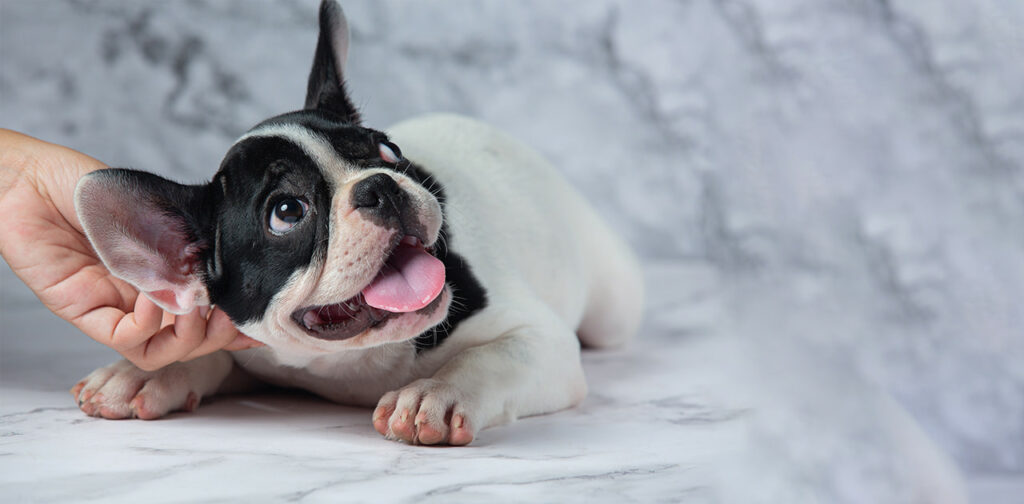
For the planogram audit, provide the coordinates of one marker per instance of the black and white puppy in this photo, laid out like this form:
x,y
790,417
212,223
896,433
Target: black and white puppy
x,y
449,283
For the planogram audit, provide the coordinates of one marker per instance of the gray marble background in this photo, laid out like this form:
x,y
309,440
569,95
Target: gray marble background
x,y
843,179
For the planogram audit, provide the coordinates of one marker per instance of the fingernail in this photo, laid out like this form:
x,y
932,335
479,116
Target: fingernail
x,y
204,311
457,422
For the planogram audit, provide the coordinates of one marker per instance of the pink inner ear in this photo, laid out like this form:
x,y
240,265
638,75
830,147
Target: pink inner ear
x,y
166,299
387,154
141,243
150,251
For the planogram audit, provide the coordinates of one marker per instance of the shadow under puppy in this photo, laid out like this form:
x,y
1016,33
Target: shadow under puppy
x,y
449,282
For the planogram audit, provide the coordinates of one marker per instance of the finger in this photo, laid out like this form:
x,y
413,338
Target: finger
x,y
243,342
219,332
135,328
168,319
171,343
148,314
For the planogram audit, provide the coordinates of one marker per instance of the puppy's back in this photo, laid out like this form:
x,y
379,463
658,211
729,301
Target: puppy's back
x,y
510,211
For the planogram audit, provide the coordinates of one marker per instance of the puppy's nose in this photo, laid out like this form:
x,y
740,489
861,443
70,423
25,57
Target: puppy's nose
x,y
378,193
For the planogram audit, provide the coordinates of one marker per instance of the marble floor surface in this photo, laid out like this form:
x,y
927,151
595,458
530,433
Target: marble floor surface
x,y
675,417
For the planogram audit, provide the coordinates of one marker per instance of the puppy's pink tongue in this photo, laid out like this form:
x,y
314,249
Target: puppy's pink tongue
x,y
411,279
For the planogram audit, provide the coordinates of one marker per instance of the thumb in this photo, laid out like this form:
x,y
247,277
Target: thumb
x,y
242,342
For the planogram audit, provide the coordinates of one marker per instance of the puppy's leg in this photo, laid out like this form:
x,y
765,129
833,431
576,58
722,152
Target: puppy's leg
x,y
532,369
122,390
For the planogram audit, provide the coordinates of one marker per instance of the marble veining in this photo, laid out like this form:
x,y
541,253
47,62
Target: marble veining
x,y
828,197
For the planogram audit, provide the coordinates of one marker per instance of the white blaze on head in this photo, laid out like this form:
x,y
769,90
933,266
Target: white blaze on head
x,y
312,143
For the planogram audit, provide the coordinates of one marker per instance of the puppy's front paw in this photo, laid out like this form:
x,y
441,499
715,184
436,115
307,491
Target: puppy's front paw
x,y
427,411
122,390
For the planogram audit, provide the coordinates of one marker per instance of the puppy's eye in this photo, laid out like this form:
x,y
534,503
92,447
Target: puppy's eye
x,y
286,214
390,152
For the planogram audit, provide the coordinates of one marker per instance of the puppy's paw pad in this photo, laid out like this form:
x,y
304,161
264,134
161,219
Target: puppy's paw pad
x,y
122,390
430,412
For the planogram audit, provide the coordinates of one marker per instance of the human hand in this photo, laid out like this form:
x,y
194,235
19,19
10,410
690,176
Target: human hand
x,y
43,242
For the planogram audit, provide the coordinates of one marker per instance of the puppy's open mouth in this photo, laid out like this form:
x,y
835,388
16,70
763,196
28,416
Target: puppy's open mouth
x,y
410,280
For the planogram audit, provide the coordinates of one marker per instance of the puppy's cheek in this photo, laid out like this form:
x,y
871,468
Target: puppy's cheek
x,y
256,331
424,204
429,213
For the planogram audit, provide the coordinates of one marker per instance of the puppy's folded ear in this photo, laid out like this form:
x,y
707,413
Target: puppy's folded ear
x,y
143,228
326,89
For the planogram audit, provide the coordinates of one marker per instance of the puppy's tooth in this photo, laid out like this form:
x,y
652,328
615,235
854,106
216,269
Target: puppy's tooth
x,y
310,319
409,240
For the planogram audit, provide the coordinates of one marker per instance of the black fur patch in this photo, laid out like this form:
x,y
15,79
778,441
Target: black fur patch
x,y
469,296
326,88
248,264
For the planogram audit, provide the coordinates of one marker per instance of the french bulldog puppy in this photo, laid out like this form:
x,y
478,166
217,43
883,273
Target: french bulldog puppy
x,y
449,282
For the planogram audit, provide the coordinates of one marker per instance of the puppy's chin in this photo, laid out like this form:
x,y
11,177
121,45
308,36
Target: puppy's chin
x,y
282,331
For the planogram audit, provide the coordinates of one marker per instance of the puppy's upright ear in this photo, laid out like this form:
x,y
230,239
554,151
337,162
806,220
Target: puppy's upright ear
x,y
143,228
326,89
